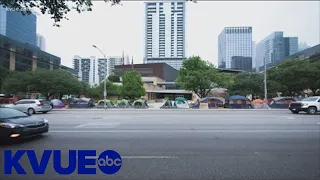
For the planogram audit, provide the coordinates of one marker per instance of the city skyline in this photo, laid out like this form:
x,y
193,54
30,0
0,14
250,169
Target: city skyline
x,y
201,37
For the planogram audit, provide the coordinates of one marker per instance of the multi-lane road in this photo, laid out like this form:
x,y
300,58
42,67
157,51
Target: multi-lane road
x,y
185,144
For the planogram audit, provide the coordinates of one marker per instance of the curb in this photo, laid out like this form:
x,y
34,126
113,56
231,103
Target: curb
x,y
170,109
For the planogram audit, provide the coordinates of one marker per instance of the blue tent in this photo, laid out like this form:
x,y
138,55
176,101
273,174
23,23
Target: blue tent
x,y
238,102
213,102
238,97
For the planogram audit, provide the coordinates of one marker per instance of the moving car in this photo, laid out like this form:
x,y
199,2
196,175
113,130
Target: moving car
x,y
31,106
15,124
310,105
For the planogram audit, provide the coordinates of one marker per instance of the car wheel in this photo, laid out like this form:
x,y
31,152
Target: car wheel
x,y
312,110
295,112
31,111
44,112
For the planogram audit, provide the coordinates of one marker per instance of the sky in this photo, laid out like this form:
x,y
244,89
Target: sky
x,y
117,29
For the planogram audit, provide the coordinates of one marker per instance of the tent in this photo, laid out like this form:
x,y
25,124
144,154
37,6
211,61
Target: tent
x,y
57,104
280,102
81,103
109,104
182,103
168,104
123,104
238,102
213,102
140,104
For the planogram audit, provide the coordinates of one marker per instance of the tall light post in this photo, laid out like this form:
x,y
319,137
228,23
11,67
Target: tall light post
x,y
265,80
105,83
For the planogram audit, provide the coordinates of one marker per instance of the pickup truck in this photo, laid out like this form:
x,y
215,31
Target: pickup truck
x,y
310,105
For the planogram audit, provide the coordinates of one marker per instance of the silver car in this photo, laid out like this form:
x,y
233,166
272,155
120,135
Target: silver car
x,y
31,106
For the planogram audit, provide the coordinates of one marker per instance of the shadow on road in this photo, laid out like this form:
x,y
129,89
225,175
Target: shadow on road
x,y
18,142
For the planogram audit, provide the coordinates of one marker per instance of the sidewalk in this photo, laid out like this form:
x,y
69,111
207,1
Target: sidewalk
x,y
155,109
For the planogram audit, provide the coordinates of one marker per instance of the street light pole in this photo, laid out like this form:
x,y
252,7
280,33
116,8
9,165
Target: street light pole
x,y
105,80
265,80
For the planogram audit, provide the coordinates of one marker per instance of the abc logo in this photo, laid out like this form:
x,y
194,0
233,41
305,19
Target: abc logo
x,y
109,162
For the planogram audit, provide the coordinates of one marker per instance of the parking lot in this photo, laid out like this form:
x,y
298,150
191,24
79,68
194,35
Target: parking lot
x,y
186,144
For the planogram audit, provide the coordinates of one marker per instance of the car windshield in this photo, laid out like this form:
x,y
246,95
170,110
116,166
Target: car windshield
x,y
310,99
7,113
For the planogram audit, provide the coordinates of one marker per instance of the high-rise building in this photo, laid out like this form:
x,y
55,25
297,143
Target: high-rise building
x,y
16,26
87,69
234,42
102,69
114,61
41,42
165,32
291,45
275,48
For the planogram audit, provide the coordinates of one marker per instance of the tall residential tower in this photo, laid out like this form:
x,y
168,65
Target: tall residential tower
x,y
165,32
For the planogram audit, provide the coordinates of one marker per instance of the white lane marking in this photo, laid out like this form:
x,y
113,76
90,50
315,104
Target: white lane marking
x,y
287,117
178,131
98,125
139,157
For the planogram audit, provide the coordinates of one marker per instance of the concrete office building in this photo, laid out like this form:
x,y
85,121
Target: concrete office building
x,y
165,32
41,42
87,69
275,48
234,42
18,27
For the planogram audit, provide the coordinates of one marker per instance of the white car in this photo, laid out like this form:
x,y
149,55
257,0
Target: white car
x,y
310,105
31,106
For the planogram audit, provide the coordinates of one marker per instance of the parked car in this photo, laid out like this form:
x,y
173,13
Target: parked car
x,y
15,124
31,106
311,105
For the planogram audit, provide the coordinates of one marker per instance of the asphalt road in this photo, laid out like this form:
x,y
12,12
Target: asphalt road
x,y
181,144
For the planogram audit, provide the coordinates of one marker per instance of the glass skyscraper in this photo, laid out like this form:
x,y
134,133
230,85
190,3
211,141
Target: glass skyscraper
x,y
18,27
235,43
275,48
165,32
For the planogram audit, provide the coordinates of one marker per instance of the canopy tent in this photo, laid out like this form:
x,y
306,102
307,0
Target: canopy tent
x,y
238,102
182,103
81,103
212,102
109,104
123,104
140,104
280,102
57,104
168,104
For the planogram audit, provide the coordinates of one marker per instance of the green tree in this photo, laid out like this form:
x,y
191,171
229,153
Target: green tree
x,y
293,76
114,78
132,85
200,76
17,82
253,83
48,83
